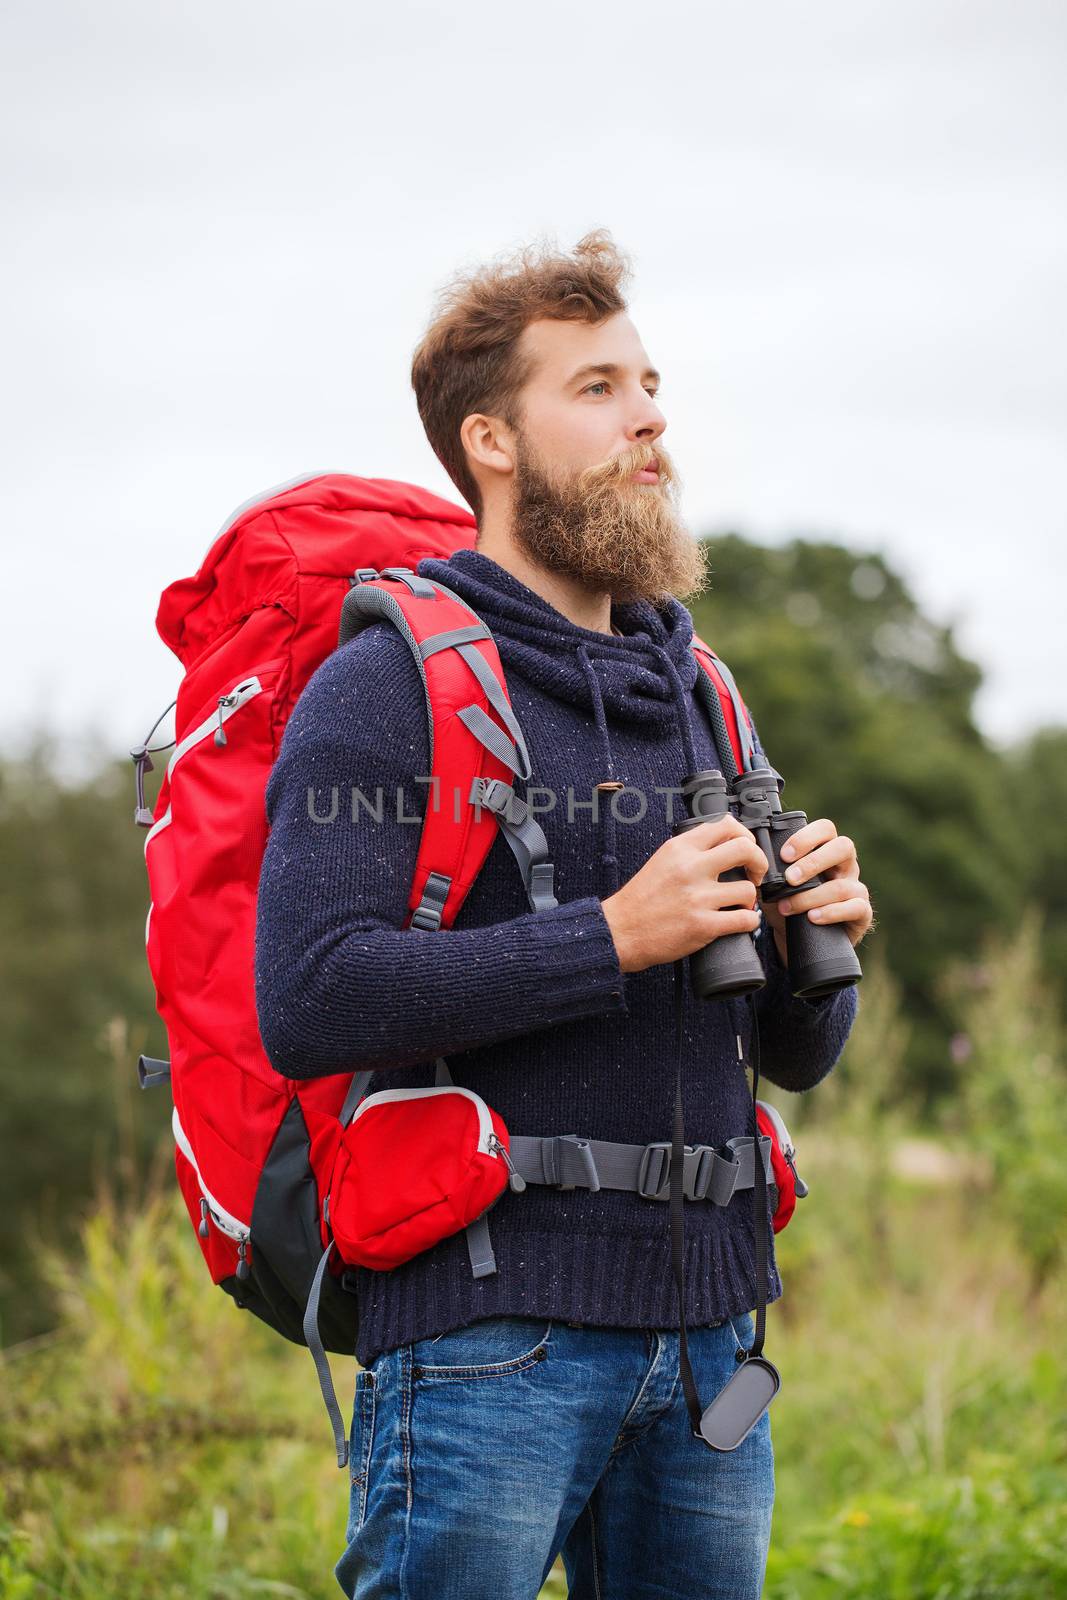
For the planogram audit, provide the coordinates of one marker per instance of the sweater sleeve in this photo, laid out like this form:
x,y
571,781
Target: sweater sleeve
x,y
340,984
800,1041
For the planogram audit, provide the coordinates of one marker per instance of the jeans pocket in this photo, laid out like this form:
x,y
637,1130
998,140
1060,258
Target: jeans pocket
x,y
491,1348
360,1445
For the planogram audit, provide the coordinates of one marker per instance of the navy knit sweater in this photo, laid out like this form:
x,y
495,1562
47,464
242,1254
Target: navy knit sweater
x,y
531,1009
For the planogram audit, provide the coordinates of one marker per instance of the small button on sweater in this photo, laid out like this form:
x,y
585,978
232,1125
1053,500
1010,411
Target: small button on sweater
x,y
530,1009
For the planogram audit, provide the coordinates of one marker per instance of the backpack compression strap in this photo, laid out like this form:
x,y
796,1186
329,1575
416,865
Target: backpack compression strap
x,y
473,757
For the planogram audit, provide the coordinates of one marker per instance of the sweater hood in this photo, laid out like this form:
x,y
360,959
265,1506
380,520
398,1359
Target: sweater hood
x,y
645,676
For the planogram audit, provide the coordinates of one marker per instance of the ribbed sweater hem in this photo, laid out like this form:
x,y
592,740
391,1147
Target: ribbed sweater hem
x,y
602,1280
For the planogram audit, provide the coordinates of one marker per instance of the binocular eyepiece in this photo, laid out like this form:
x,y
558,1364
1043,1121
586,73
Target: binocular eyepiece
x,y
820,959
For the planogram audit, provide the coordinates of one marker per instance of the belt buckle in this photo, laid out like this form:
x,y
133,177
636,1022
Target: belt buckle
x,y
663,1175
696,1171
702,1168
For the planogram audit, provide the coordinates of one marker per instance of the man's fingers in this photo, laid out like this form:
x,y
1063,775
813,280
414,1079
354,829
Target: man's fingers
x,y
836,852
824,894
855,910
739,852
810,835
709,834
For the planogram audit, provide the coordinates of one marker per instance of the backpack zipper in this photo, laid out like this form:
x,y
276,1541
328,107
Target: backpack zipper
x,y
226,705
780,1128
209,1206
226,1223
486,1132
786,1145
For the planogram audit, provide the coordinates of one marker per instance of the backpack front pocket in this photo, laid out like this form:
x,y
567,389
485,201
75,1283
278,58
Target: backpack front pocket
x,y
413,1167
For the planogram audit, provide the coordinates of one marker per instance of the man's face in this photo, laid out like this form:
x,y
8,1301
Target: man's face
x,y
588,424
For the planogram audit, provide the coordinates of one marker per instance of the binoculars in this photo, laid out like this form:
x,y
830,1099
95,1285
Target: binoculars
x,y
820,959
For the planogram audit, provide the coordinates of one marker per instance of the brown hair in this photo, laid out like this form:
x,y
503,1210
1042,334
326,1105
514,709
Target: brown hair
x,y
468,359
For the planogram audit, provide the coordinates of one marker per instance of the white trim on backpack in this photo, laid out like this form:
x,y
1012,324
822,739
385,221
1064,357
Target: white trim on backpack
x,y
485,1121
238,696
223,1219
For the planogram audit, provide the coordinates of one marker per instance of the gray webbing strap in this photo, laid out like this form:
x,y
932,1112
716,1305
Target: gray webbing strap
x,y
497,699
525,838
356,1090
479,1247
452,637
322,1366
567,1161
430,909
495,741
422,588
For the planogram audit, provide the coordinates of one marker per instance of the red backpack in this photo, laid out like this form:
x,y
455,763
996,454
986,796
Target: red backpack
x,y
291,576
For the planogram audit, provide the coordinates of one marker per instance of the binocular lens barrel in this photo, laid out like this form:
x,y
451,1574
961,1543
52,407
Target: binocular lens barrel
x,y
821,959
730,965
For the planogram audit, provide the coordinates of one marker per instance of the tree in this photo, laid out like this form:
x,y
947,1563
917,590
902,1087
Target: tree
x,y
865,708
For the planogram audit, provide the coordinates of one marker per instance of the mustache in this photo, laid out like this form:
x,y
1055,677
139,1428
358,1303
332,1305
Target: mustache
x,y
624,465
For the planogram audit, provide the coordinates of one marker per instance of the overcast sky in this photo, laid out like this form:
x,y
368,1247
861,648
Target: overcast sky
x,y
227,223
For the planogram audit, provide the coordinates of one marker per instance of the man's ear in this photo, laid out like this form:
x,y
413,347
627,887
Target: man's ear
x,y
489,443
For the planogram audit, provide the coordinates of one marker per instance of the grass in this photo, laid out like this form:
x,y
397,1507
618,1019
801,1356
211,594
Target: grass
x,y
160,1443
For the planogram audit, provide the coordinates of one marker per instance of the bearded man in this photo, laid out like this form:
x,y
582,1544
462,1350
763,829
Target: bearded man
x,y
505,1419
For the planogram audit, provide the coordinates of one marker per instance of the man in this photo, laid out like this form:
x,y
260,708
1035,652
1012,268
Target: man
x,y
502,1420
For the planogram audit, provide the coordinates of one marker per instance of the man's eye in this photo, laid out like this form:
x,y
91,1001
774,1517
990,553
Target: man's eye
x,y
602,383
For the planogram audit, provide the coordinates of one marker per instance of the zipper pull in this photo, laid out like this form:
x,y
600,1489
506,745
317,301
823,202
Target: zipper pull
x,y
142,762
243,1268
801,1186
202,1227
516,1180
224,700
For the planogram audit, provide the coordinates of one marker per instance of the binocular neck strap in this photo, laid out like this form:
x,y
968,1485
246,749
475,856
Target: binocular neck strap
x,y
677,1202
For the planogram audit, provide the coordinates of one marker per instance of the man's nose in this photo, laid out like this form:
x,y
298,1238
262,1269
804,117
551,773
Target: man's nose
x,y
647,423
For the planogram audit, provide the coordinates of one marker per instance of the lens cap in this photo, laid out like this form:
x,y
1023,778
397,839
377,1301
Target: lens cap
x,y
737,1408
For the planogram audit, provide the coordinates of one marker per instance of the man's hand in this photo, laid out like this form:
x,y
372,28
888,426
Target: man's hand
x,y
676,904
819,848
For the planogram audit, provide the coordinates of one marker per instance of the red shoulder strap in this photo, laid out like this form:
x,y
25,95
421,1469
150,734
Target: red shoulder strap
x,y
718,679
473,735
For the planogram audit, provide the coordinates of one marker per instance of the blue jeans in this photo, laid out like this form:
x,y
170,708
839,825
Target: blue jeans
x,y
479,1456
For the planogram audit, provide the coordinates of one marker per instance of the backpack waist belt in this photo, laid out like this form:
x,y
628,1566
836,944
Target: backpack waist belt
x,y
567,1161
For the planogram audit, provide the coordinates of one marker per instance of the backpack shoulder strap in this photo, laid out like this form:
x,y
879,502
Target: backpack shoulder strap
x,y
727,712
473,758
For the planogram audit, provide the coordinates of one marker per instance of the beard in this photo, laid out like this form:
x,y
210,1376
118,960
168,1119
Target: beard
x,y
605,531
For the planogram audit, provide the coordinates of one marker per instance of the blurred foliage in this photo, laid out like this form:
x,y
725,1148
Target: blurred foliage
x,y
1037,797
1014,1091
864,706
72,953
160,1443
